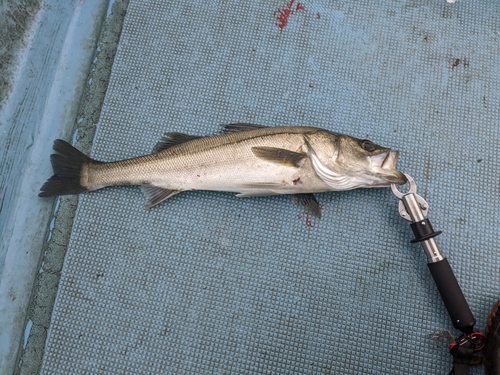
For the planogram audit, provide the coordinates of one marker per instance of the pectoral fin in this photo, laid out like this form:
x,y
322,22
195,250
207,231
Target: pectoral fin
x,y
156,195
279,156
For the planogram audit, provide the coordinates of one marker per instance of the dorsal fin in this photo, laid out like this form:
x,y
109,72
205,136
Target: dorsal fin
x,y
241,127
173,139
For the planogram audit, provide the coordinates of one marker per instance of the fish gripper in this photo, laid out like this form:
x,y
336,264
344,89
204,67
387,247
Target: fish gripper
x,y
464,349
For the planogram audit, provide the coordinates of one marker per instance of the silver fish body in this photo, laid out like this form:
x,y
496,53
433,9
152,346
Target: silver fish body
x,y
250,160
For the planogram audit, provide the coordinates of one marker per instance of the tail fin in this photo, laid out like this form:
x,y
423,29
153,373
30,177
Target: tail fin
x,y
67,165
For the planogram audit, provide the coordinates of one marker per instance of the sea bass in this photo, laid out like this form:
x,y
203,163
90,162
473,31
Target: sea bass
x,y
251,160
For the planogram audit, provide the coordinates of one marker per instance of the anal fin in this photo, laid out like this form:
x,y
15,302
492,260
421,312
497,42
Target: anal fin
x,y
156,195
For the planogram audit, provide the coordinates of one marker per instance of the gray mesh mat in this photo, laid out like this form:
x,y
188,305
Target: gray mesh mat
x,y
210,283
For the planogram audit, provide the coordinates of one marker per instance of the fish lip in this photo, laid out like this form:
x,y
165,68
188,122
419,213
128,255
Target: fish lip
x,y
400,178
397,179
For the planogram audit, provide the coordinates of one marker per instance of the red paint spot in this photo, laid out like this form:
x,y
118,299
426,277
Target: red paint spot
x,y
282,14
318,16
297,181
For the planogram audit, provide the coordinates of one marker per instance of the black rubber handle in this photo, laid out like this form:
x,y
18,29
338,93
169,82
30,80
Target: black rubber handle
x,y
452,296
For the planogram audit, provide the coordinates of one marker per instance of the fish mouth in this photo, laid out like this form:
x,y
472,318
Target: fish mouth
x,y
390,160
386,169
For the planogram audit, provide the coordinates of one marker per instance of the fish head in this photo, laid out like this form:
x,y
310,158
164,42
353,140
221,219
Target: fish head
x,y
356,163
374,165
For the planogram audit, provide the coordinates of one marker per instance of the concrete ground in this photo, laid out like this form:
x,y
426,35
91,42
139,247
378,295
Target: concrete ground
x,y
30,303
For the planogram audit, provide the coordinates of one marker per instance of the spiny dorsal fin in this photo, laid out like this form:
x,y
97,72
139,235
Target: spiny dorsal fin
x,y
279,156
241,127
156,195
173,139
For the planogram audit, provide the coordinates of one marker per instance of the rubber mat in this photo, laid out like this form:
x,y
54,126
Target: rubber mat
x,y
208,283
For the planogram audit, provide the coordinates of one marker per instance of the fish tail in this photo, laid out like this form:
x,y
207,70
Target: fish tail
x,y
67,165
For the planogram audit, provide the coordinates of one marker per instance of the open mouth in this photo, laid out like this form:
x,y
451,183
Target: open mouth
x,y
385,160
390,160
387,163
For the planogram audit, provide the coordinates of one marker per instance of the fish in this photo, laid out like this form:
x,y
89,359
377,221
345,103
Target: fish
x,y
247,159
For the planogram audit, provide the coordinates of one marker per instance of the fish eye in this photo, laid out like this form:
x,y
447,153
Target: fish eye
x,y
368,145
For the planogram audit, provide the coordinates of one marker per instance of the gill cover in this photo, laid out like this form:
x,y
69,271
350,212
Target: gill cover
x,y
334,179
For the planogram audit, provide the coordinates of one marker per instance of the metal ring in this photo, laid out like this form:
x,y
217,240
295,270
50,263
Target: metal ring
x,y
413,187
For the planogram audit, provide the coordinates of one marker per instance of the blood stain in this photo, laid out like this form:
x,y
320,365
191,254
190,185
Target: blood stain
x,y
297,181
318,16
309,222
310,85
282,14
